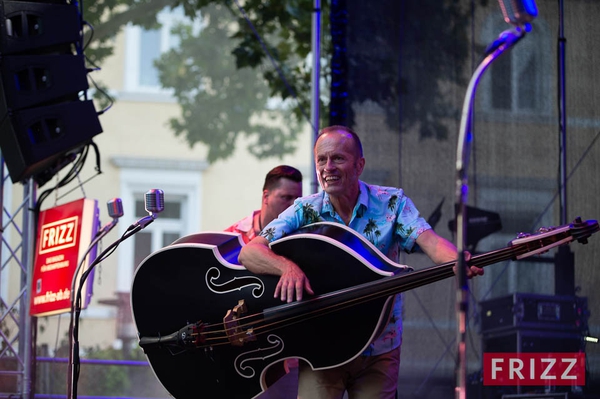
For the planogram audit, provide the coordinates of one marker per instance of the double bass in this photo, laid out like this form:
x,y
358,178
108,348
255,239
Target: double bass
x,y
210,328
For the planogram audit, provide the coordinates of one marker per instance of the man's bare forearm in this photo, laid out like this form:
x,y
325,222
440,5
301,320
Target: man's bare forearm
x,y
257,257
437,248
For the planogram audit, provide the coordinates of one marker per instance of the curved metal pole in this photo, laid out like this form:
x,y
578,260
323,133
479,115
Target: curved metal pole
x,y
506,40
315,76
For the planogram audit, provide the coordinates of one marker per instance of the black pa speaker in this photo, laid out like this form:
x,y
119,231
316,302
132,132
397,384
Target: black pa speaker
x,y
36,139
29,26
43,119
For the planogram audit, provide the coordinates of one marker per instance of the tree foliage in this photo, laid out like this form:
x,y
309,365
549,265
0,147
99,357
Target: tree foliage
x,y
253,51
222,98
245,73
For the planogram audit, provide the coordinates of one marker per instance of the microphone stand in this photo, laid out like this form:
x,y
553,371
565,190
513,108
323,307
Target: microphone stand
x,y
505,41
76,301
74,351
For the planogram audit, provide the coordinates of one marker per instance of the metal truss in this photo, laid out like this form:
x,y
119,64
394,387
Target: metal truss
x,y
17,346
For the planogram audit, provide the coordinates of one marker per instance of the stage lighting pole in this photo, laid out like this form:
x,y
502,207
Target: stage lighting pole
x,y
315,76
564,261
562,114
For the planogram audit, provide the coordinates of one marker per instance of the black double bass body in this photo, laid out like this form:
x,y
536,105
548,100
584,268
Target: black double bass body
x,y
197,282
211,329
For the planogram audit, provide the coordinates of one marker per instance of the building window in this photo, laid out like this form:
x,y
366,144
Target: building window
x,y
181,182
150,50
145,46
518,81
168,227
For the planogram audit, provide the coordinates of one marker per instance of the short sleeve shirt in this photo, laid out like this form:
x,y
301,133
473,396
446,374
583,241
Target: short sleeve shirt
x,y
244,227
383,215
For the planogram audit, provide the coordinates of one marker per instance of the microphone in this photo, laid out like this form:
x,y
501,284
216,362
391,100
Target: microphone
x,y
518,12
115,208
507,39
115,211
154,203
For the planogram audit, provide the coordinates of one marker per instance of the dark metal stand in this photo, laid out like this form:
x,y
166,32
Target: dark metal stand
x,y
564,266
315,76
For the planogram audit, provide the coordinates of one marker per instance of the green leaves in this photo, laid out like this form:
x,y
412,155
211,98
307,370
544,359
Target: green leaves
x,y
220,102
235,77
253,54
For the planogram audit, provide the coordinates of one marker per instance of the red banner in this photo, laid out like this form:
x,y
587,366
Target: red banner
x,y
64,235
534,369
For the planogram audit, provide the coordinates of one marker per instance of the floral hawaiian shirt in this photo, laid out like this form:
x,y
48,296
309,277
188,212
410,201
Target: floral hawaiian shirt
x,y
383,215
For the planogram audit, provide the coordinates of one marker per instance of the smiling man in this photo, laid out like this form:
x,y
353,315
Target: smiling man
x,y
383,215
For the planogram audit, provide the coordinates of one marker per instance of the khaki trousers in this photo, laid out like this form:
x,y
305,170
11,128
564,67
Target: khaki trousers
x,y
366,377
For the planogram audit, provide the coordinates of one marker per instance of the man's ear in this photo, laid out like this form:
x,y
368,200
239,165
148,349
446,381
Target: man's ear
x,y
265,195
360,164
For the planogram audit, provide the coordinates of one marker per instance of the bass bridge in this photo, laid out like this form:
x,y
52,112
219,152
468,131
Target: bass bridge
x,y
235,331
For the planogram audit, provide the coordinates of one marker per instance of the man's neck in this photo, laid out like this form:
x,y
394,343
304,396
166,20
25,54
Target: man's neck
x,y
344,204
257,222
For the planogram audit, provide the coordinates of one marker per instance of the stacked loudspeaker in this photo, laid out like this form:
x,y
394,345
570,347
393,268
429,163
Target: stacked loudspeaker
x,y
533,323
45,117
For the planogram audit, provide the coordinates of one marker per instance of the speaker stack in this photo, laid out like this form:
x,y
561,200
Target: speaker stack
x,y
44,118
533,323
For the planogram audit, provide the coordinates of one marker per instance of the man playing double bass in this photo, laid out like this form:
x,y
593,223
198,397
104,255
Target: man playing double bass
x,y
383,215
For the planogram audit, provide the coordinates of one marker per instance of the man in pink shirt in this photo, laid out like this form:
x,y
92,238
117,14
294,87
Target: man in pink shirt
x,y
283,184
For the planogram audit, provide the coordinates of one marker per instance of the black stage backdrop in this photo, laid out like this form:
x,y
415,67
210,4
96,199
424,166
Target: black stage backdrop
x,y
400,75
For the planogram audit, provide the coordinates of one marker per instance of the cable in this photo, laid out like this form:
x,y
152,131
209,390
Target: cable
x,y
94,68
74,172
583,156
111,100
92,31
